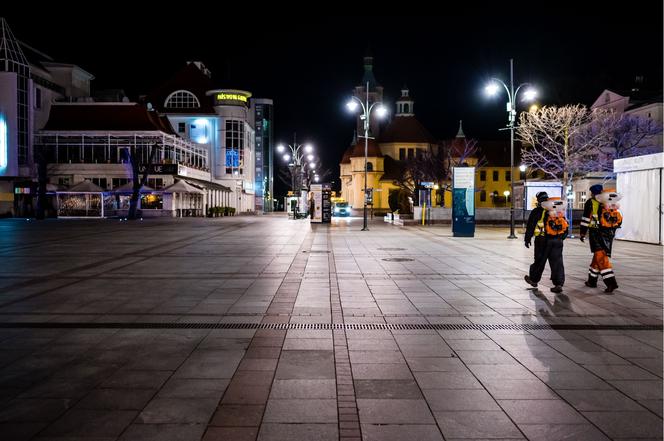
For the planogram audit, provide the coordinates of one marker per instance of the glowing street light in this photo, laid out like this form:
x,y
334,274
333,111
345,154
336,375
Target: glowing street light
x,y
381,111
529,94
296,158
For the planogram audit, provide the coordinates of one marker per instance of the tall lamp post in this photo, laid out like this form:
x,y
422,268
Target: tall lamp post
x,y
381,111
296,160
524,169
492,89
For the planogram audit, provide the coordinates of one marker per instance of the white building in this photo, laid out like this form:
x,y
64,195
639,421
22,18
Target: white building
x,y
206,135
221,120
30,82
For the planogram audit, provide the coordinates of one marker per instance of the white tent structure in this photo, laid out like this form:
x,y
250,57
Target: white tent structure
x,y
184,199
81,200
639,180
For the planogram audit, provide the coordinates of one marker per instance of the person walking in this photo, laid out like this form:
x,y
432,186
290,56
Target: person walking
x,y
600,220
548,225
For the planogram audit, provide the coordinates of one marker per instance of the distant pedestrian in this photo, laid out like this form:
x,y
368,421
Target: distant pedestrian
x,y
548,224
600,220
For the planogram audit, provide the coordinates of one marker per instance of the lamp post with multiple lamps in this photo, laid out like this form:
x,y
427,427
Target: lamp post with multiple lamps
x,y
529,94
301,162
353,105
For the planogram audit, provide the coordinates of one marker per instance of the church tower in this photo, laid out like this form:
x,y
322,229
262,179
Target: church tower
x,y
405,104
375,94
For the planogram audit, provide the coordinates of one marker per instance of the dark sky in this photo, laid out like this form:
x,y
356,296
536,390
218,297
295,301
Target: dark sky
x,y
310,65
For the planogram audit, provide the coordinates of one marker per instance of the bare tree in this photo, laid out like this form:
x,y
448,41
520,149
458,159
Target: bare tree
x,y
137,183
461,153
557,140
626,135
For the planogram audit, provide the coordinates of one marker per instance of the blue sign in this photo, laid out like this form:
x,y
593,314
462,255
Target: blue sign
x,y
232,158
463,202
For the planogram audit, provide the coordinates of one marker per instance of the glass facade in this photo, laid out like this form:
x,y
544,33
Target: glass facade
x,y
264,153
234,142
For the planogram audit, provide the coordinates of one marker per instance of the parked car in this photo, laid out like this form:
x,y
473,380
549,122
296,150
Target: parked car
x,y
341,209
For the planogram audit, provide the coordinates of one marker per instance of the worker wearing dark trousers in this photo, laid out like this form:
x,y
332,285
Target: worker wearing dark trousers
x,y
547,248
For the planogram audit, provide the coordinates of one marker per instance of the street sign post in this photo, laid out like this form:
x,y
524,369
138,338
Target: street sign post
x,y
463,202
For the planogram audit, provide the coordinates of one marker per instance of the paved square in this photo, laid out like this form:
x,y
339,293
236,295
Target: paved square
x,y
264,328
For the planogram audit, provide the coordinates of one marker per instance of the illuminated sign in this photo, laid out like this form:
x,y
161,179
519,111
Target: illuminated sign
x,y
231,97
3,142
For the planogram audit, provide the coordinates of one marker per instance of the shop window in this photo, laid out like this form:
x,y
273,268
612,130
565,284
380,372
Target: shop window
x,y
119,182
152,202
156,183
101,182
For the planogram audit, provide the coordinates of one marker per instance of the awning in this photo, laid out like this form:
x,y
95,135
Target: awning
x,y
84,187
208,185
182,186
129,188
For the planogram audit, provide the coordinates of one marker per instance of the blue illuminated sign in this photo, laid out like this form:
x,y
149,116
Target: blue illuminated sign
x,y
232,158
3,142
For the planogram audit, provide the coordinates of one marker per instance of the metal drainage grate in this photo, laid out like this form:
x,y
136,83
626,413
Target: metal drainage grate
x,y
398,259
316,251
329,326
391,249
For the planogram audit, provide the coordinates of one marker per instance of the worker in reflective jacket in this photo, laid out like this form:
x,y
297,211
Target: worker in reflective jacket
x,y
600,220
548,224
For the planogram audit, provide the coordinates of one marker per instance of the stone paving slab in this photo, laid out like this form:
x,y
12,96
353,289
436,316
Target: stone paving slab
x,y
158,383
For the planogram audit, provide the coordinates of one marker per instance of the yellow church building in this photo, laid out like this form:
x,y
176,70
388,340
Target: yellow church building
x,y
403,138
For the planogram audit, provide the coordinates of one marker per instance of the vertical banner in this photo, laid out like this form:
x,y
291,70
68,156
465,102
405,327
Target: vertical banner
x,y
317,198
463,202
327,203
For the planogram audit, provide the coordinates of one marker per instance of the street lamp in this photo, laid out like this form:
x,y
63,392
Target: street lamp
x,y
296,158
381,111
523,169
529,94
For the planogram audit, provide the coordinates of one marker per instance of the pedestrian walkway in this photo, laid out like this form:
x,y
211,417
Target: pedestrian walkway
x,y
264,328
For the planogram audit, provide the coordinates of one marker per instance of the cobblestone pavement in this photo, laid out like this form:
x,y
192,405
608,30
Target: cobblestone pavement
x,y
266,328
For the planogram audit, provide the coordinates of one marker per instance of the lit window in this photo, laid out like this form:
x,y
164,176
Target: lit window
x,y
182,99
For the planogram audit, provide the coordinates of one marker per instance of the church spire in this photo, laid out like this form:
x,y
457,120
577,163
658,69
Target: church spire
x,y
460,133
368,71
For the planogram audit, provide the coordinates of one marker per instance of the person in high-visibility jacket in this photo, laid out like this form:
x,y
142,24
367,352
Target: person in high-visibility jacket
x,y
548,224
600,220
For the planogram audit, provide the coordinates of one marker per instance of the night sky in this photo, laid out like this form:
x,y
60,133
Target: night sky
x,y
309,66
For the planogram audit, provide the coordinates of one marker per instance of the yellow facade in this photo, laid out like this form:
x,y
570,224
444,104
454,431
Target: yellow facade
x,y
491,183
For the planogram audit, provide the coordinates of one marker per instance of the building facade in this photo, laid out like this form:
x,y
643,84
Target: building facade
x,y
205,136
264,185
30,82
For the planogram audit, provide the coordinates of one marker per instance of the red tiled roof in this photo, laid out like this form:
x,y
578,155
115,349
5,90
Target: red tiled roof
x,y
373,150
406,129
106,117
